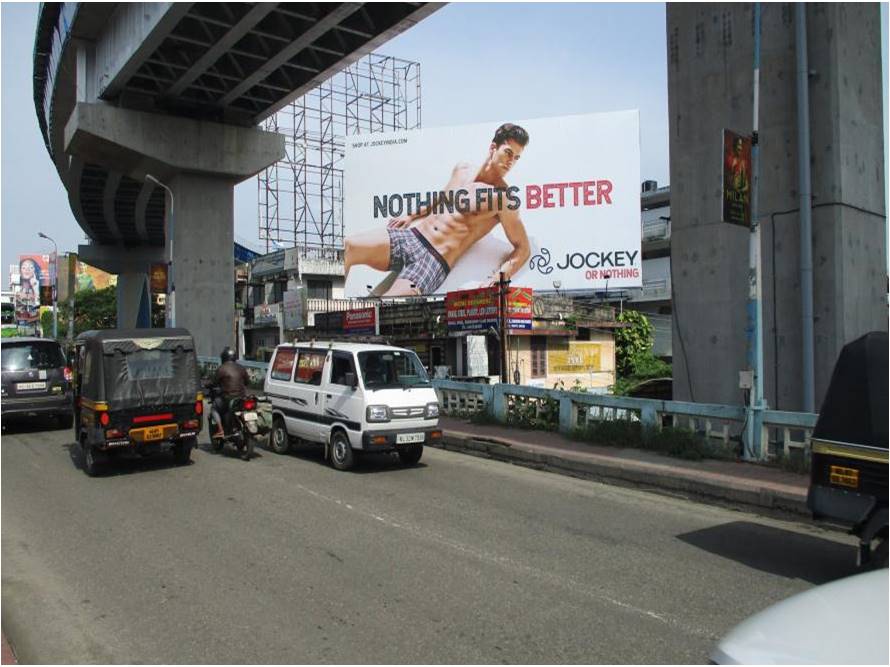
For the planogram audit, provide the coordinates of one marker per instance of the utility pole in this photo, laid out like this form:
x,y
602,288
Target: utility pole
x,y
502,324
756,404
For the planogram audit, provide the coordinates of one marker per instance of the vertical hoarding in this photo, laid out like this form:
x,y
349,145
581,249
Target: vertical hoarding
x,y
440,210
736,178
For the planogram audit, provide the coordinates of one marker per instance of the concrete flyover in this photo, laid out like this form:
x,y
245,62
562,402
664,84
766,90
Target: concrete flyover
x,y
149,112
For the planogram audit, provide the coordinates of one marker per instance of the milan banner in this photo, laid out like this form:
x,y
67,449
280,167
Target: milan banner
x,y
551,200
736,179
478,309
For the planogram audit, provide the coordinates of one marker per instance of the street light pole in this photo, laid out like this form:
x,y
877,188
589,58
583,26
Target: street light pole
x,y
55,282
171,289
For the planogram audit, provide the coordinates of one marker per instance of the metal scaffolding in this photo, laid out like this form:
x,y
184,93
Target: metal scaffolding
x,y
301,197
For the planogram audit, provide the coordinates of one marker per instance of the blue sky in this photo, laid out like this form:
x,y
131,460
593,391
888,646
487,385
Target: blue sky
x,y
479,62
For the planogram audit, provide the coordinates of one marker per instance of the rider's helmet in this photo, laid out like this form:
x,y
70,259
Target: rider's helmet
x,y
228,354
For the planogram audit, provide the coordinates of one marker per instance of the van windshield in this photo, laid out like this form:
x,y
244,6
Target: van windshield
x,y
391,368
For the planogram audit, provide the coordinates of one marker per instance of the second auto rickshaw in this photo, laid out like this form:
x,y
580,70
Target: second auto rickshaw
x,y
136,390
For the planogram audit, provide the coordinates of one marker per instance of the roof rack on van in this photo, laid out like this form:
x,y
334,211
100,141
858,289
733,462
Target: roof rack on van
x,y
343,338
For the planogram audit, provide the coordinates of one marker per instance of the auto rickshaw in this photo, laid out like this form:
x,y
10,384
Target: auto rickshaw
x,y
848,477
136,390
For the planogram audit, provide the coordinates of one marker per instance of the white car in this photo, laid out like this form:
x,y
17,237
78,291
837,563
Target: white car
x,y
843,622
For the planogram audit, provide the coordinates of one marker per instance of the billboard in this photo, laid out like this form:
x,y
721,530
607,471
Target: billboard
x,y
478,309
360,321
736,178
34,273
294,308
446,209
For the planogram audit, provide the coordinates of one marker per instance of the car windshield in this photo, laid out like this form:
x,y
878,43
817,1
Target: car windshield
x,y
24,356
391,368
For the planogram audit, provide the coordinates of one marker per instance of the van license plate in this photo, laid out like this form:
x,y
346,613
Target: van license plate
x,y
154,433
30,386
407,438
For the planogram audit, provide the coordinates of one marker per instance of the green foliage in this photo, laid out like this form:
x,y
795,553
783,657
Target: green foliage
x,y
632,341
533,413
677,442
643,366
93,309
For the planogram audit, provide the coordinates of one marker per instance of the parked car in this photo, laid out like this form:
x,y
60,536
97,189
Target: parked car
x,y
843,622
36,380
351,398
136,390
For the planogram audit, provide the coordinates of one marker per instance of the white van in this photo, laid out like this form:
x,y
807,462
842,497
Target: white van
x,y
351,397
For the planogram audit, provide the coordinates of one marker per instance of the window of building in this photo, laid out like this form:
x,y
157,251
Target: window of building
x,y
319,289
539,356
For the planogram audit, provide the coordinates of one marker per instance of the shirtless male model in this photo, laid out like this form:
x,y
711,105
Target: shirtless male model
x,y
424,246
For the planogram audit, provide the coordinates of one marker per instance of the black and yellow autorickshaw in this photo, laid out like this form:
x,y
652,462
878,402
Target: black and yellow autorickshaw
x,y
848,478
136,390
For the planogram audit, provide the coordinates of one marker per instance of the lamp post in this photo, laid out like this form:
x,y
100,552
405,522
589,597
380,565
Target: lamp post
x,y
55,278
171,289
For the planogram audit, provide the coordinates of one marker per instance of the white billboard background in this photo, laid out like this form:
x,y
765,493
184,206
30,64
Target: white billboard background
x,y
584,242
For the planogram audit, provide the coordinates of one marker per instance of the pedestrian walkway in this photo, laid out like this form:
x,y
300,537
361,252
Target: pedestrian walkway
x,y
751,486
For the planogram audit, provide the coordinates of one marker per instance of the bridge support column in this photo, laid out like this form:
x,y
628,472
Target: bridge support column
x,y
133,301
203,271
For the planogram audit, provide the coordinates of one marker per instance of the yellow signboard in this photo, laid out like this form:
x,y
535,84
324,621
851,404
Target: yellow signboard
x,y
582,356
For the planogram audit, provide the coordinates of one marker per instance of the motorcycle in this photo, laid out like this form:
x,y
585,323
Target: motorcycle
x,y
240,425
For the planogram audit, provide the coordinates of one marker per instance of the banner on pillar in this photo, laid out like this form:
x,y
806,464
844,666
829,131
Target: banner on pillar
x,y
46,295
68,277
736,178
158,278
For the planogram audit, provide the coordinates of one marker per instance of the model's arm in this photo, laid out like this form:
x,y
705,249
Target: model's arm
x,y
514,229
405,221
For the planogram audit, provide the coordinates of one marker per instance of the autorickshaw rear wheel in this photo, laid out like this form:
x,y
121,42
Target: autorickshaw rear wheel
x,y
90,462
182,451
342,456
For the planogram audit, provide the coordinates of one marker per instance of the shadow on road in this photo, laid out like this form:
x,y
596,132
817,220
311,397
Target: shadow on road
x,y
14,425
364,463
126,463
781,552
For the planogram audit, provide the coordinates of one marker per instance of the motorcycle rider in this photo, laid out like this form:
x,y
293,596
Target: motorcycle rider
x,y
232,379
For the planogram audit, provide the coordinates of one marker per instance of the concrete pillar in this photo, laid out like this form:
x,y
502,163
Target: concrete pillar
x,y
133,302
203,260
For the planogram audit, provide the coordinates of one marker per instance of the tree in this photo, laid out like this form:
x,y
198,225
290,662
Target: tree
x,y
93,309
632,341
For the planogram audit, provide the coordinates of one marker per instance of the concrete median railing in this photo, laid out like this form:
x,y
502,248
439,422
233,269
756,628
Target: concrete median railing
x,y
572,409
781,433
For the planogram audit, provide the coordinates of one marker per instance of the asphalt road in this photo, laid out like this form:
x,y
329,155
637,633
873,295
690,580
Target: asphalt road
x,y
459,560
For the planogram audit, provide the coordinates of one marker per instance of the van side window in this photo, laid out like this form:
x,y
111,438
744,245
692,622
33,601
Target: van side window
x,y
309,367
341,364
283,366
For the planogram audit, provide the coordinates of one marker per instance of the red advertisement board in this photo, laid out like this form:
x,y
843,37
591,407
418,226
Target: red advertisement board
x,y
478,309
361,321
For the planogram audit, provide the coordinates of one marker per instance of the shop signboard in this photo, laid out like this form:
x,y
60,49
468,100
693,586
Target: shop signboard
x,y
294,309
266,313
158,278
581,356
360,321
519,308
478,309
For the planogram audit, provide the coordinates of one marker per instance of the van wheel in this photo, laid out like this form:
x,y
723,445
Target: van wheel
x,y
342,456
279,441
90,462
182,451
409,456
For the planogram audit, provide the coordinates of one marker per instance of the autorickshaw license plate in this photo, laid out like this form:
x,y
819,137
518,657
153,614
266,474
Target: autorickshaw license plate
x,y
406,438
250,416
154,433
